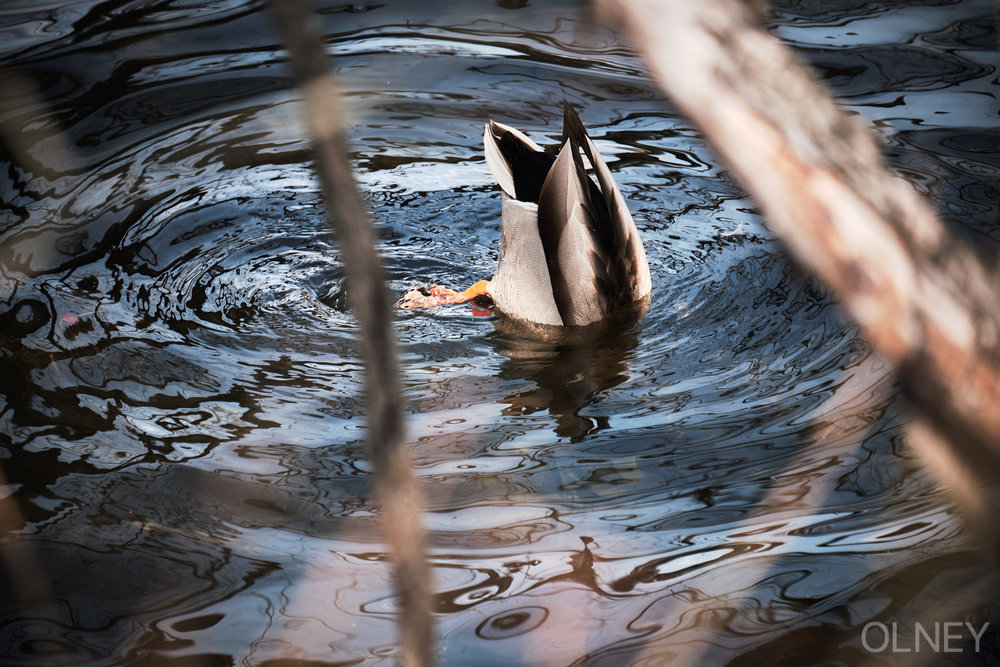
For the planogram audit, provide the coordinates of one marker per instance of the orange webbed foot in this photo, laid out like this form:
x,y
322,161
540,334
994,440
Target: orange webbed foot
x,y
436,295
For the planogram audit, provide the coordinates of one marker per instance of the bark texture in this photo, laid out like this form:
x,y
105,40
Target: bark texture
x,y
920,295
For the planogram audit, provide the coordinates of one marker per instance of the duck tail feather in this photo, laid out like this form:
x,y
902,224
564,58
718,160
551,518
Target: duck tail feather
x,y
627,259
502,170
518,163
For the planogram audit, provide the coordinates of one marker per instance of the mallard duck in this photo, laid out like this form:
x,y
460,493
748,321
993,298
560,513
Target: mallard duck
x,y
570,253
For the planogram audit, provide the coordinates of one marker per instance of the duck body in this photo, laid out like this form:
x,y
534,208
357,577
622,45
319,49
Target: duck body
x,y
570,253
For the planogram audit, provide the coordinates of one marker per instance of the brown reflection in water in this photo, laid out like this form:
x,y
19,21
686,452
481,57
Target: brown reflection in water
x,y
27,584
569,367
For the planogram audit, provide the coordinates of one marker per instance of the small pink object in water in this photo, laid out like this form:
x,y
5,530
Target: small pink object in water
x,y
73,318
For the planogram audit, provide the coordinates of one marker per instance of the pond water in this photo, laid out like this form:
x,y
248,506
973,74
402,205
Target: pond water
x,y
184,472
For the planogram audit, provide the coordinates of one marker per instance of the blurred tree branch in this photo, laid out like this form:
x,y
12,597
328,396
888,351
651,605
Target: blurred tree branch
x,y
396,488
919,294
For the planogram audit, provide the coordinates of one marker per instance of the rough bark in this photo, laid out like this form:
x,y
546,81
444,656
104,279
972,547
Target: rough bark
x,y
919,294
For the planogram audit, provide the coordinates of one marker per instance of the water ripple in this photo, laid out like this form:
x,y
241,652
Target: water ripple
x,y
182,404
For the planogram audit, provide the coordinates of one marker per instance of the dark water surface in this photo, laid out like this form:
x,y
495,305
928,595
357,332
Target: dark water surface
x,y
182,438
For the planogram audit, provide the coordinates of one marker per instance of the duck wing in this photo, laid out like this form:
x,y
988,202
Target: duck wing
x,y
594,255
575,254
627,267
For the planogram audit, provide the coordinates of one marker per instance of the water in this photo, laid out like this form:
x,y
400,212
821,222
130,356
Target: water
x,y
183,453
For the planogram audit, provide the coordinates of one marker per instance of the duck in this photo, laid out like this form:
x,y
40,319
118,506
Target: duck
x,y
570,253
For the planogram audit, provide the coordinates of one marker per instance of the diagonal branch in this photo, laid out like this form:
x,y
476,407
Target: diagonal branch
x,y
919,294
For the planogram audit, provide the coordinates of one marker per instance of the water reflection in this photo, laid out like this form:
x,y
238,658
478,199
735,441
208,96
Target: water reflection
x,y
725,480
567,369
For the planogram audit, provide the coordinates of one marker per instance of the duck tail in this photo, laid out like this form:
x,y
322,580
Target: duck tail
x,y
576,134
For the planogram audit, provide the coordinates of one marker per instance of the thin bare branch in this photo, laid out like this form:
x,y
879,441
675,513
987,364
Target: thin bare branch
x,y
396,488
